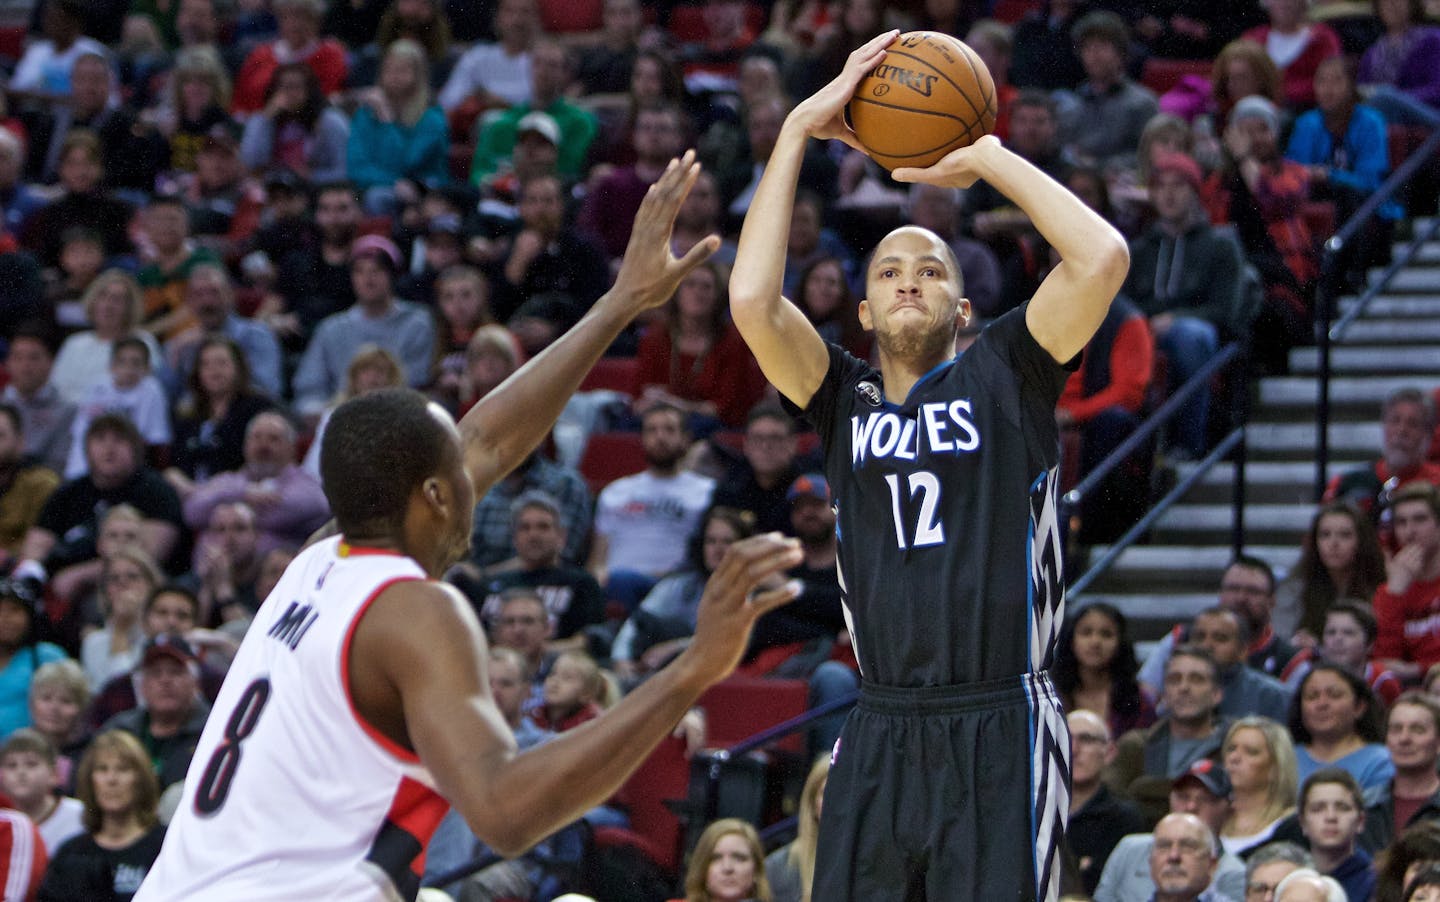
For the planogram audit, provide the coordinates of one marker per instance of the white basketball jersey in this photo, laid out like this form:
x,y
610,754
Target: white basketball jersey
x,y
291,796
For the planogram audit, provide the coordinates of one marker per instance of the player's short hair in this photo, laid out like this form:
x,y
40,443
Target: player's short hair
x,y
29,741
378,449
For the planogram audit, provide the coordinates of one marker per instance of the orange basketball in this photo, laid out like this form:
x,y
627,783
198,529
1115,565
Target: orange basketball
x,y
930,96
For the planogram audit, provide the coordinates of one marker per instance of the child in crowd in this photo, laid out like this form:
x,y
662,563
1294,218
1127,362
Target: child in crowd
x,y
130,390
82,257
29,776
59,695
572,693
1348,640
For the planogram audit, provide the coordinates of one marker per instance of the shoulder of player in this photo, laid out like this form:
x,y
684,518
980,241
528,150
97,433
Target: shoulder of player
x,y
419,613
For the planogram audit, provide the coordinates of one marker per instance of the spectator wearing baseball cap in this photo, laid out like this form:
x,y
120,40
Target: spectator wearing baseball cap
x,y
1185,277
1203,790
172,712
377,318
575,126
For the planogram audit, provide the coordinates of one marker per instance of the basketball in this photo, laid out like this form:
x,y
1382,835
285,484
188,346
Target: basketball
x,y
931,95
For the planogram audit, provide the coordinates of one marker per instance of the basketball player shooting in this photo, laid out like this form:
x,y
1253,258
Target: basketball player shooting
x,y
359,703
951,776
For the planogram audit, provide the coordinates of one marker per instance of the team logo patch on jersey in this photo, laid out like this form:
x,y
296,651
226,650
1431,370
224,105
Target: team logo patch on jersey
x,y
869,392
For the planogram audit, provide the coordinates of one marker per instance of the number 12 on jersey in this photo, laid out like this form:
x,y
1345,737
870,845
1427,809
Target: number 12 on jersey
x,y
924,489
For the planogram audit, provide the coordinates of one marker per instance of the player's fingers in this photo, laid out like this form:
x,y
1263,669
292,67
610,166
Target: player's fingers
x,y
770,599
879,42
909,174
777,561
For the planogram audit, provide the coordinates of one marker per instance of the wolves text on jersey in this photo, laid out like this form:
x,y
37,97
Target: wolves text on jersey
x,y
939,428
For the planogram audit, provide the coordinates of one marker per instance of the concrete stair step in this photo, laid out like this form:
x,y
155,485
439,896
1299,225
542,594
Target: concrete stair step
x,y
1151,616
1364,360
1346,392
1266,482
1389,331
1179,567
1209,524
1296,441
1415,279
1398,304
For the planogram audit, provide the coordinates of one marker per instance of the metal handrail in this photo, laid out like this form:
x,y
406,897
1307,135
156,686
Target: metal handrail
x,y
1323,291
1230,441
1401,261
1200,380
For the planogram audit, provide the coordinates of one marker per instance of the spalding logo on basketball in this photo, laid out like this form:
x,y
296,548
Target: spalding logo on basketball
x,y
931,95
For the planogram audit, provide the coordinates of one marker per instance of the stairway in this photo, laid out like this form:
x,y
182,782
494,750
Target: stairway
x,y
1395,343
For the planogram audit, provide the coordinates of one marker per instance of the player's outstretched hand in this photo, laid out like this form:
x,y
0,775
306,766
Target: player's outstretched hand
x,y
822,114
733,599
649,272
957,169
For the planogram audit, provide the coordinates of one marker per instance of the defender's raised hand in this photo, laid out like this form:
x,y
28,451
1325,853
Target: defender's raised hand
x,y
733,599
649,272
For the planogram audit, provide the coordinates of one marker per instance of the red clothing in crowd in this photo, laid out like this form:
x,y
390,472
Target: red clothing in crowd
x,y
1427,471
1298,78
542,718
727,376
1282,189
1131,361
1409,624
22,855
326,58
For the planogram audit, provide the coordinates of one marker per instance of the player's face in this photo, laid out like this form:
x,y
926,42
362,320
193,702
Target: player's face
x,y
1331,819
453,541
54,712
731,875
1344,641
26,777
1412,738
1096,640
913,301
1328,706
1247,759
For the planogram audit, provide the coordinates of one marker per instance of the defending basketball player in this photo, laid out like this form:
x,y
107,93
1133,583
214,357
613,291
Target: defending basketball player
x,y
951,776
359,700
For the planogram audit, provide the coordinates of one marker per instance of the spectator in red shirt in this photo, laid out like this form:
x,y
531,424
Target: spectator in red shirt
x,y
299,42
1407,607
694,359
1407,425
1296,46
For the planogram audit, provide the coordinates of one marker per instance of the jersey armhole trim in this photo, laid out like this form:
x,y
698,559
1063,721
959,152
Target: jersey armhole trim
x,y
385,742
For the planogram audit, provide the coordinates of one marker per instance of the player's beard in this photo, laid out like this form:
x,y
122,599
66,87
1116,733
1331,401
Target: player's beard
x,y
916,341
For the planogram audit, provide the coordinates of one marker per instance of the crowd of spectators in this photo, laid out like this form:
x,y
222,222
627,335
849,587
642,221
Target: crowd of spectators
x,y
220,220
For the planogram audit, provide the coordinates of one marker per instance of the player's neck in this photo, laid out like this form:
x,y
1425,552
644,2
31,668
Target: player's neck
x,y
901,375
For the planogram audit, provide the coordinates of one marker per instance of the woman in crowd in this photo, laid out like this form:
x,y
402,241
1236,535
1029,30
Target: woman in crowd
x,y
1341,558
1415,850
199,96
398,138
114,307
371,369
655,80
1425,885
122,837
59,696
21,655
210,422
1095,668
728,865
1260,759
694,358
299,43
297,130
824,296
665,620
791,868
1336,721
1296,46
127,578
1399,73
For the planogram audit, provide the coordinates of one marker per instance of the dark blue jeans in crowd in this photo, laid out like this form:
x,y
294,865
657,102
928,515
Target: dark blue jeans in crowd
x,y
1188,345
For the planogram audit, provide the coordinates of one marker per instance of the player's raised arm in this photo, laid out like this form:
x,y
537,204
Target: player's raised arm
x,y
789,350
506,425
434,658
1094,259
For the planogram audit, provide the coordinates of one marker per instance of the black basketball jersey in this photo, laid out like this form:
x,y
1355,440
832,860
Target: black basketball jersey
x,y
947,511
